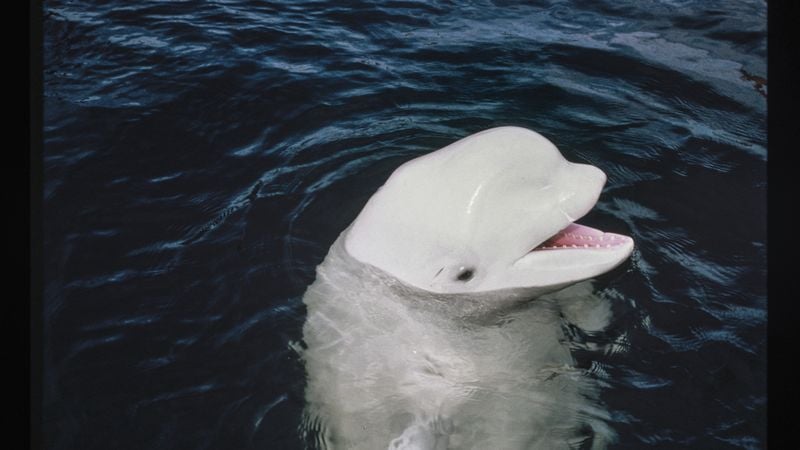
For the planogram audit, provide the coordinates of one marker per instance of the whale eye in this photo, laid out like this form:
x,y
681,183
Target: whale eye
x,y
465,274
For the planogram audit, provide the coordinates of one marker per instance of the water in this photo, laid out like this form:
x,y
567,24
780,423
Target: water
x,y
200,159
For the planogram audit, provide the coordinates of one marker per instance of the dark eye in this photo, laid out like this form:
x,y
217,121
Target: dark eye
x,y
465,274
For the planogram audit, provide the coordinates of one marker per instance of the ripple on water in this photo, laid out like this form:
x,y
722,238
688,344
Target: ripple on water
x,y
200,158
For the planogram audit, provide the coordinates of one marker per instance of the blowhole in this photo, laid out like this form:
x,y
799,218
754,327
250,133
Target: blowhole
x,y
465,274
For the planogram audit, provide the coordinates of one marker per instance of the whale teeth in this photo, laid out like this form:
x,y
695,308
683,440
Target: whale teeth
x,y
608,242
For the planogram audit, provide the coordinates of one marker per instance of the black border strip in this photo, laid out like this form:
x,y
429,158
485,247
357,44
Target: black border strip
x,y
783,71
35,267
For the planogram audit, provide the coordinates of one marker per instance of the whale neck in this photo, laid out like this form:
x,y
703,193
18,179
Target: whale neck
x,y
348,274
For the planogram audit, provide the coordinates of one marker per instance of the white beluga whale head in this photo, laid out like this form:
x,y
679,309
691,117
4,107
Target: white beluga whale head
x,y
492,211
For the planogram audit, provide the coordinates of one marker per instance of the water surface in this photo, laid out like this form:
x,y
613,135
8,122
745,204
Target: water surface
x,y
199,160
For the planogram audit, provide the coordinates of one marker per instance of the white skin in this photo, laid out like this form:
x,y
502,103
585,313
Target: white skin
x,y
405,351
482,204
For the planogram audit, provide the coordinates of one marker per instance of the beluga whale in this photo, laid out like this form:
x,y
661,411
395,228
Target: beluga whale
x,y
437,318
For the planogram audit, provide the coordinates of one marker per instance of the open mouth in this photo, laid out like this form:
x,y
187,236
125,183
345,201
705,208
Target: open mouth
x,y
577,236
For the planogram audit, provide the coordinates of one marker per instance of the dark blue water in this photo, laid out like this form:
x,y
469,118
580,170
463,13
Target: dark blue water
x,y
200,158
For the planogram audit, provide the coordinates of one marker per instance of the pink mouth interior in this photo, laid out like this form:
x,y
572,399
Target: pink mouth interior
x,y
580,236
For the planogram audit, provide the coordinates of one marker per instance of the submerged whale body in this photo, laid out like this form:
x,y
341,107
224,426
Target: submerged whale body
x,y
421,332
